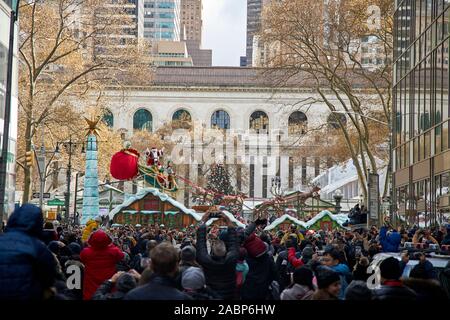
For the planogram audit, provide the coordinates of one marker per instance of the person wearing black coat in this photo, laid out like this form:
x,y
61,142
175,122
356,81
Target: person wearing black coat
x,y
391,286
220,266
262,270
27,267
161,284
283,266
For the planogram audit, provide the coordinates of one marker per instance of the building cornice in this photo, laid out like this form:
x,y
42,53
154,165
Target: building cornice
x,y
178,88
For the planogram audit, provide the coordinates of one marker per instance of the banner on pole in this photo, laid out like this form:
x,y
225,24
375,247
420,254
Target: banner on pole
x,y
374,196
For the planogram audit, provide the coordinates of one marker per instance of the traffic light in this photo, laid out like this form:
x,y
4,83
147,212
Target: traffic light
x,y
29,158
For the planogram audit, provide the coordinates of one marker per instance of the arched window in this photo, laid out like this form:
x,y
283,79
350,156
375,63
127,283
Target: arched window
x,y
142,120
259,121
220,119
181,119
333,120
108,118
298,123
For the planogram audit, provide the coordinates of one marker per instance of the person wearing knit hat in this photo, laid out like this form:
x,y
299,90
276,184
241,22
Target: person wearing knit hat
x,y
262,270
194,285
74,248
193,279
255,246
188,257
307,254
357,290
329,284
188,254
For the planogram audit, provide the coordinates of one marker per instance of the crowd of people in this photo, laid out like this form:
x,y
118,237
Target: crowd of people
x,y
41,260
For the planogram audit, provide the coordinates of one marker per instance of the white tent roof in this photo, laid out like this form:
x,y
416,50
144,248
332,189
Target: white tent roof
x,y
282,219
339,218
230,216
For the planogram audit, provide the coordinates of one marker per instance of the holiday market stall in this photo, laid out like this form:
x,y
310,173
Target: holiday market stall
x,y
284,222
151,206
327,221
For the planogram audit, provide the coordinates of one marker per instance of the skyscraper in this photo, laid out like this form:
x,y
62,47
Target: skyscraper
x,y
162,19
254,9
191,20
191,32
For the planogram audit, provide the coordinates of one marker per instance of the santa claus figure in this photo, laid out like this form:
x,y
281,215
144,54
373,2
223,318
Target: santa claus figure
x,y
153,156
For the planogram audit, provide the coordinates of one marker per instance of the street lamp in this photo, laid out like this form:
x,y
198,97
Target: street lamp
x,y
338,197
7,114
70,147
276,187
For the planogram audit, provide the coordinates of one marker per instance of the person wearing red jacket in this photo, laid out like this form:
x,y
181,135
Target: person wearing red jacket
x,y
296,263
100,259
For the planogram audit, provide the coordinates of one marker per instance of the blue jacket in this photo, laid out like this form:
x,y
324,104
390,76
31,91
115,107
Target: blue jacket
x,y
344,274
389,242
27,267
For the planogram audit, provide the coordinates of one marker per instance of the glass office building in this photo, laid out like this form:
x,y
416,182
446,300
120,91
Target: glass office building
x,y
162,20
421,111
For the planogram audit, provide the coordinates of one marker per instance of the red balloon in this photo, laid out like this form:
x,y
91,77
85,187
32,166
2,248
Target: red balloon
x,y
124,165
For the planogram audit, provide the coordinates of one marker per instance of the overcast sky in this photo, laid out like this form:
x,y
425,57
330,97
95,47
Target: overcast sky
x,y
224,30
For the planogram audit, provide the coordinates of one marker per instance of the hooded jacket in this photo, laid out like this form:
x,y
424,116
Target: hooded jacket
x,y
27,267
100,259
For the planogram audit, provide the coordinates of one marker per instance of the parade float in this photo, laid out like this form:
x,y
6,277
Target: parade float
x,y
128,165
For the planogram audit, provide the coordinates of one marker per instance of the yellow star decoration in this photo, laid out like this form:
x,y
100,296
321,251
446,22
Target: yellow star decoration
x,y
92,126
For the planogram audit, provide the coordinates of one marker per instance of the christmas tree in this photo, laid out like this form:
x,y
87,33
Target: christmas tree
x,y
219,180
